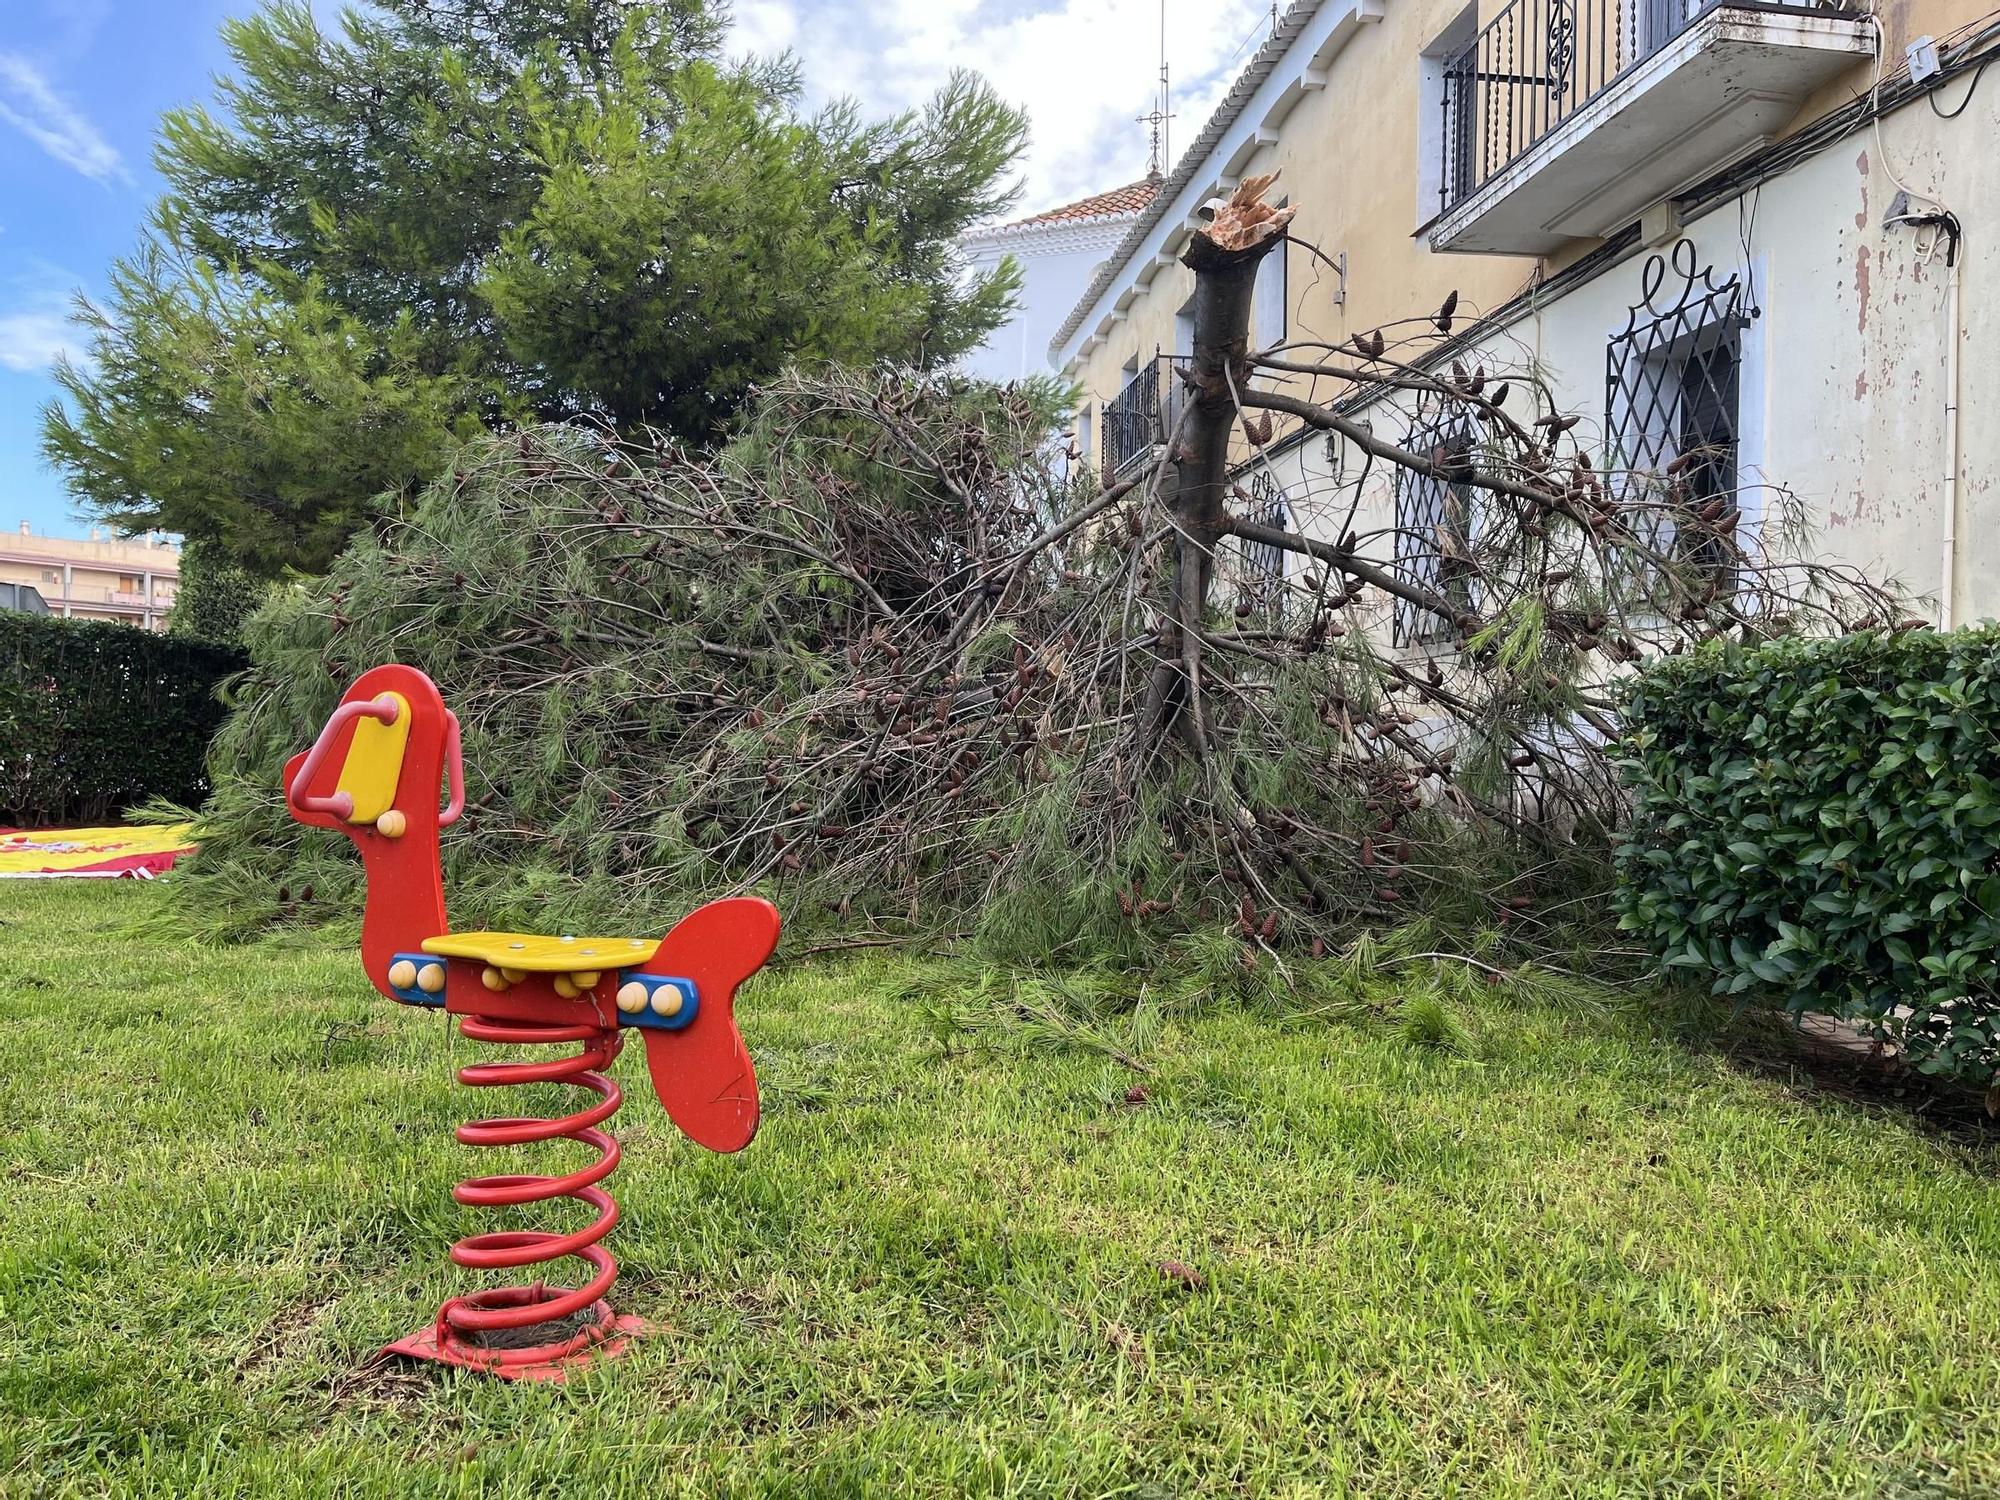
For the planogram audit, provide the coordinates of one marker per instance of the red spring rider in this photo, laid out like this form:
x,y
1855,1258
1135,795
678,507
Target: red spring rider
x,y
374,775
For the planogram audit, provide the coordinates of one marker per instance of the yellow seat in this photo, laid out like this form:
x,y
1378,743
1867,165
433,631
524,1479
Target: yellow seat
x,y
529,954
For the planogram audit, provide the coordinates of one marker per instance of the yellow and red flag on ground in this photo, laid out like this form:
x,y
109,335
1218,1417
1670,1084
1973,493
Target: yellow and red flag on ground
x,y
103,852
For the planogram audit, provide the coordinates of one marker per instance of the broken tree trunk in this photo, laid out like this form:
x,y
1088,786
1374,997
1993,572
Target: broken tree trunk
x,y
1224,258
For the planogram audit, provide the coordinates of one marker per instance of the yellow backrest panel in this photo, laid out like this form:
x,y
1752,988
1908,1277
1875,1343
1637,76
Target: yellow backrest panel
x,y
375,762
543,955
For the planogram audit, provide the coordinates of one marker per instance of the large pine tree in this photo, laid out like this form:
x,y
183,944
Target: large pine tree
x,y
451,214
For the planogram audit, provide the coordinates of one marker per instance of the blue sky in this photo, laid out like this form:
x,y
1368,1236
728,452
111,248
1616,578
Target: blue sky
x,y
83,82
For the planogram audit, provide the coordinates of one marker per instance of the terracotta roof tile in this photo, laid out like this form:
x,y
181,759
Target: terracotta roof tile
x,y
1118,203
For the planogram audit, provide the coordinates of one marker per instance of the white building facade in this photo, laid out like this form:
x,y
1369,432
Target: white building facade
x,y
1763,234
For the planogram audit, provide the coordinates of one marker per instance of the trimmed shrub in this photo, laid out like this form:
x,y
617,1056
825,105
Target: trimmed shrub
x,y
95,717
1816,822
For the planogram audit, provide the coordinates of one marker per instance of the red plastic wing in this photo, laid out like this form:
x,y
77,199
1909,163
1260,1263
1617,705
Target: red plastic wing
x,y
702,1073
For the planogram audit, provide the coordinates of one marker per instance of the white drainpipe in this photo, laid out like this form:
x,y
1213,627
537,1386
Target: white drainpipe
x,y
1948,584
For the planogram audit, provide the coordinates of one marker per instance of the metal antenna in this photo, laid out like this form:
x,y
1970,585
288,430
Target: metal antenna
x,y
1161,111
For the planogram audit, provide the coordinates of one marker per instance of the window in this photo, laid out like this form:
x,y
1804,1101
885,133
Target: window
x,y
1660,21
1263,564
1434,526
1129,421
1673,397
1447,113
1267,302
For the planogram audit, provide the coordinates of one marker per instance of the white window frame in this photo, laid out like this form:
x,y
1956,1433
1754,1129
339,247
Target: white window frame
x,y
1269,312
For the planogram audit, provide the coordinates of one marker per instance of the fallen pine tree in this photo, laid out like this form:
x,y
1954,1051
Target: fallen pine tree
x,y
874,659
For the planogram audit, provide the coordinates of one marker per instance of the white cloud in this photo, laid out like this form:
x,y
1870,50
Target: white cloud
x,y
31,105
31,341
1083,69
35,327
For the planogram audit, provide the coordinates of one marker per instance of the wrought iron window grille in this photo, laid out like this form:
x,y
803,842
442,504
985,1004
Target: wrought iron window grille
x,y
1142,414
1263,564
1435,526
1673,378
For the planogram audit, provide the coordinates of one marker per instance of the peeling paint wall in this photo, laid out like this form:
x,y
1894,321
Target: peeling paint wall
x,y
1846,408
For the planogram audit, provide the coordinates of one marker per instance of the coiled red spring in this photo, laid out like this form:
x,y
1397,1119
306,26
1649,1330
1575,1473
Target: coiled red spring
x,y
477,1327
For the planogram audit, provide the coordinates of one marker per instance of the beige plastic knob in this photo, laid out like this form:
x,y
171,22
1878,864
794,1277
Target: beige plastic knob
x,y
492,978
632,997
430,978
402,974
392,824
667,1000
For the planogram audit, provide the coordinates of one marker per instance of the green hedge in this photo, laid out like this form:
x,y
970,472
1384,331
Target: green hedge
x,y
1816,823
95,717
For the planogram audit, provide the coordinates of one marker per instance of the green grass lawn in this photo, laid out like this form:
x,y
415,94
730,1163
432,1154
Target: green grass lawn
x,y
1585,1260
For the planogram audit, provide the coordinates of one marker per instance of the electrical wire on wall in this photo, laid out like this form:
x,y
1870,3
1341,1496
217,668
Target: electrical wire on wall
x,y
1970,89
1746,232
1961,51
1930,229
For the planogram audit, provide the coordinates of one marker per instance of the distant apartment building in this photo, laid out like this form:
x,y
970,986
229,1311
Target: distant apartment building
x,y
132,581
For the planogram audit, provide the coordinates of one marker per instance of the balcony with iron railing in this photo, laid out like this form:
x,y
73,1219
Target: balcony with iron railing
x,y
1568,119
1141,416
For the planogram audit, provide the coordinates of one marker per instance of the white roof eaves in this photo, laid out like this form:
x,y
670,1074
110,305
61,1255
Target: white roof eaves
x,y
1031,227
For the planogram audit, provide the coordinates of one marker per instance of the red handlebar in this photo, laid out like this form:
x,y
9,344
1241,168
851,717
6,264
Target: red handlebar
x,y
339,805
454,769
383,709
